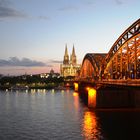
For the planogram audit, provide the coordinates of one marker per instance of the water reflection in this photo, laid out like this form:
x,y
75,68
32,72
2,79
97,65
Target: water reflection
x,y
52,91
33,91
91,128
76,100
75,94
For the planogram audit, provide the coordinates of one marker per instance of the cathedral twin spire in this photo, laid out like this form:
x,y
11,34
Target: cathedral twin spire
x,y
66,56
72,57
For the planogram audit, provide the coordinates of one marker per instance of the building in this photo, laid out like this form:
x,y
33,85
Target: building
x,y
51,74
69,66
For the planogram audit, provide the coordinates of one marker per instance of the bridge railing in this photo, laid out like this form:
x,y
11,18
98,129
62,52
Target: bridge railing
x,y
85,79
123,82
128,82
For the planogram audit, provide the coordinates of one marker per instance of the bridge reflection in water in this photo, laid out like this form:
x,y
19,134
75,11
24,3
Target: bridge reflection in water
x,y
90,125
117,69
91,129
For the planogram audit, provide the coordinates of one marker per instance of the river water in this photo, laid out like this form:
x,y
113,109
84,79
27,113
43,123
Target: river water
x,y
61,115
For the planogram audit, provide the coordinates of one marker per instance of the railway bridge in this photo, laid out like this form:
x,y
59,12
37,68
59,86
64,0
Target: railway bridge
x,y
113,79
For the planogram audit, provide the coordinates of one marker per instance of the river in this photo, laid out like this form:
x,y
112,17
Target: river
x,y
61,115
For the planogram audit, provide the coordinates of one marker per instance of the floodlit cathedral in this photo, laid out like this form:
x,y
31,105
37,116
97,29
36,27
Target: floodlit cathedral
x,y
69,66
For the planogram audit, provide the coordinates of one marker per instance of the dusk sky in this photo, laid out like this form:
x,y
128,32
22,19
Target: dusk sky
x,y
33,33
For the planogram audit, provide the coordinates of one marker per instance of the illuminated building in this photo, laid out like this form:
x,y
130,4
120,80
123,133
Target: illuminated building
x,y
69,66
51,74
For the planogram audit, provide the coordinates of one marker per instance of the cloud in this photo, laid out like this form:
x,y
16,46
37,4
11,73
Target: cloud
x,y
8,12
25,62
55,61
4,2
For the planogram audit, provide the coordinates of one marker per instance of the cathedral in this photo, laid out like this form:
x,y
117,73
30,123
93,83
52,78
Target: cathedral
x,y
69,66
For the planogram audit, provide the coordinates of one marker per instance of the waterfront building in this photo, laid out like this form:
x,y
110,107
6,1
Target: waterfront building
x,y
69,66
50,74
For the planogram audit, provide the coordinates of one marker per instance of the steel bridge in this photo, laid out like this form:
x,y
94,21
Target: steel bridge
x,y
121,65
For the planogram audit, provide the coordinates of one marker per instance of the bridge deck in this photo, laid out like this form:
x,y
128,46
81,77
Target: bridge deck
x,y
129,82
121,82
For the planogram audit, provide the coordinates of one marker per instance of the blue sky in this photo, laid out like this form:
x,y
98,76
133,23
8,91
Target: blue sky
x,y
33,33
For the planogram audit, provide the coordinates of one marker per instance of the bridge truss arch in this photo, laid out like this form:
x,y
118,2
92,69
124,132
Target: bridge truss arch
x,y
91,66
123,59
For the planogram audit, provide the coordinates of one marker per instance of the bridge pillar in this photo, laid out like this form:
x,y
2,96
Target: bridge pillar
x,y
87,93
91,97
76,86
116,96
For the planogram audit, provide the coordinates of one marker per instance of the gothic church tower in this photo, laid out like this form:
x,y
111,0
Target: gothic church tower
x,y
73,57
69,66
66,56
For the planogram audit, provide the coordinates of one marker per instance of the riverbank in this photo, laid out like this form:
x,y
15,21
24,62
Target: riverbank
x,y
28,87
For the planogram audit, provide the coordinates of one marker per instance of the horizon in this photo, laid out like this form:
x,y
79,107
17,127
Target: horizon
x,y
34,33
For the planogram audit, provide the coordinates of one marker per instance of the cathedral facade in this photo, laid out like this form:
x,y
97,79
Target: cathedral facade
x,y
69,66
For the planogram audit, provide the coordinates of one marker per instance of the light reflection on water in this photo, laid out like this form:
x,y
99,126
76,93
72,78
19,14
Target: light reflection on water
x,y
90,130
90,127
61,115
76,100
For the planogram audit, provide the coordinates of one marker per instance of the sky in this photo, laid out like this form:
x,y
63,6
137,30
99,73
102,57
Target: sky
x,y
33,33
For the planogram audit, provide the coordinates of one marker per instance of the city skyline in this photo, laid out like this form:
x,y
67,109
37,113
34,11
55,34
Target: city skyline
x,y
34,33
